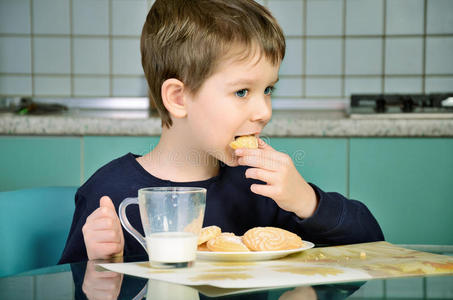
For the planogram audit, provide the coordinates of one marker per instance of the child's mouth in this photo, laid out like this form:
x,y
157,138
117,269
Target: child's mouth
x,y
245,141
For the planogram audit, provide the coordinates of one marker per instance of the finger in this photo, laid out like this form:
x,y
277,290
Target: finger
x,y
259,162
103,236
263,145
106,202
280,158
107,284
102,212
102,224
260,174
105,250
263,190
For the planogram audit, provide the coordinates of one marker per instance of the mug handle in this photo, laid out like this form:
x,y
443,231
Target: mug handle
x,y
127,225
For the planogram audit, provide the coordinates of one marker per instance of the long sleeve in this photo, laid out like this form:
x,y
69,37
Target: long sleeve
x,y
338,220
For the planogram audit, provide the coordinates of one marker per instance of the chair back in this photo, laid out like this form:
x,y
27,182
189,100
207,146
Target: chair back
x,y
34,225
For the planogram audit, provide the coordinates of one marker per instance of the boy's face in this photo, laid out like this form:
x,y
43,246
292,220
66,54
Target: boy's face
x,y
234,101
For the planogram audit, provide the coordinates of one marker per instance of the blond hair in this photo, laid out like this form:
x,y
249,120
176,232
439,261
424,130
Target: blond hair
x,y
186,39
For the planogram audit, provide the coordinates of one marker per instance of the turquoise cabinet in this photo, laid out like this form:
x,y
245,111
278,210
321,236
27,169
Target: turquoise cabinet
x,y
99,150
407,184
39,161
322,161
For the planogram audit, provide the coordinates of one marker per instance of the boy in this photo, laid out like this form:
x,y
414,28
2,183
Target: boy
x,y
211,66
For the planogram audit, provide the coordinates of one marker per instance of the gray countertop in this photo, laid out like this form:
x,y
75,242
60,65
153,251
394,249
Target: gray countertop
x,y
283,124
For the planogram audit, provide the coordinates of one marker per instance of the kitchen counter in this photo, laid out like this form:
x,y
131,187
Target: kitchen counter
x,y
283,124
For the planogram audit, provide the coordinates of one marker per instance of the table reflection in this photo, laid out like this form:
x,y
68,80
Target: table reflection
x,y
92,282
87,281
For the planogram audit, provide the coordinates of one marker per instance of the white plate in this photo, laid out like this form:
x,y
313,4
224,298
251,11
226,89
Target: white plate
x,y
250,256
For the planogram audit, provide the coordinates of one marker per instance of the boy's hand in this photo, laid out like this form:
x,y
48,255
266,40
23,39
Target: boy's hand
x,y
284,183
101,284
102,232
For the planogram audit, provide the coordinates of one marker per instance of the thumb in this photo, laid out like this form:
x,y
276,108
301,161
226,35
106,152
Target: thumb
x,y
106,202
263,145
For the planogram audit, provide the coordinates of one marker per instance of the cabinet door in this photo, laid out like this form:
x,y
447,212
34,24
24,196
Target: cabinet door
x,y
99,150
322,161
29,161
408,184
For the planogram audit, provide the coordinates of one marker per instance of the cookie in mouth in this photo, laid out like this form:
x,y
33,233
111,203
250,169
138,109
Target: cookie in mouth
x,y
245,141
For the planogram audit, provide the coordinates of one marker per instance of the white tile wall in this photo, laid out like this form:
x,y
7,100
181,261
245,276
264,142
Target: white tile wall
x,y
404,17
288,87
15,85
59,86
364,17
363,56
439,55
126,57
91,86
51,16
51,55
440,16
435,84
87,48
363,85
289,14
15,16
404,55
323,87
91,56
128,16
129,86
324,17
403,85
90,17
292,63
324,56
15,55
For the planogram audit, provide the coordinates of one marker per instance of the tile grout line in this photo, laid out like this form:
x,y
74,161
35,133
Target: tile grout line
x,y
343,49
71,49
312,36
110,37
425,25
32,46
304,48
88,75
333,76
384,43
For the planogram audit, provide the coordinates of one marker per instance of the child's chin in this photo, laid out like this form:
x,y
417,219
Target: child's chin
x,y
230,160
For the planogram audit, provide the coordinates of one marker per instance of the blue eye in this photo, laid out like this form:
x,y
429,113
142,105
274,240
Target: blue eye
x,y
242,93
269,90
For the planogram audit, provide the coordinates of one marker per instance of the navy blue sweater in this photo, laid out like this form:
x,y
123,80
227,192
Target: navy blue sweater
x,y
229,204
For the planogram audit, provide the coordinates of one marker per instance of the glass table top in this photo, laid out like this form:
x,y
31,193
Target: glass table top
x,y
87,281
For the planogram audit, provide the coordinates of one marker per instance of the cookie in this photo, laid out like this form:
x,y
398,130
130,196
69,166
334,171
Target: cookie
x,y
271,239
202,247
246,141
227,242
208,233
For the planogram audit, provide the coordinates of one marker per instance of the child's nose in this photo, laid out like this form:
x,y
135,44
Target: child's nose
x,y
262,111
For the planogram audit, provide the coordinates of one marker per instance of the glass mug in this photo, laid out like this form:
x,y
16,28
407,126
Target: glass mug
x,y
172,218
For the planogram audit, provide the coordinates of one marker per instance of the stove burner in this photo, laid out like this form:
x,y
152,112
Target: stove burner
x,y
401,103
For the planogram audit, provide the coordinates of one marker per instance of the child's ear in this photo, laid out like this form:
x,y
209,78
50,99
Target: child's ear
x,y
172,93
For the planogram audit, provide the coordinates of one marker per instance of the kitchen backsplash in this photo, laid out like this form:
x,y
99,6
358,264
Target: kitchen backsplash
x,y
90,48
